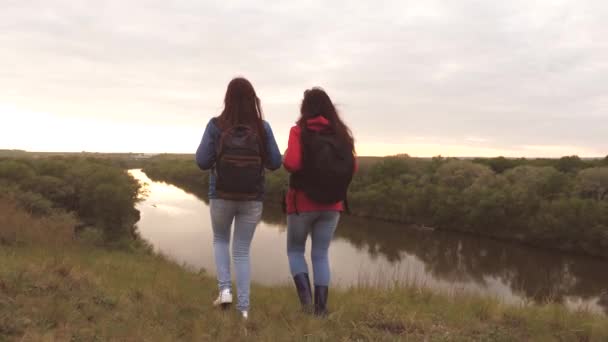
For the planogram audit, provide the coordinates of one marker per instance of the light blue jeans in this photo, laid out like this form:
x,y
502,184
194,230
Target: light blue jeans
x,y
321,226
246,216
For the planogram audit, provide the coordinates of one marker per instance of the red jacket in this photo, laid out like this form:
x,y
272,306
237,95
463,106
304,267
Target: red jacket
x,y
293,163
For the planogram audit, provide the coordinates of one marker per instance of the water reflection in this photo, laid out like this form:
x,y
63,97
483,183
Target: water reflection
x,y
177,224
529,273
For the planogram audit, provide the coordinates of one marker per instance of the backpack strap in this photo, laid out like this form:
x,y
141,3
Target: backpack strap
x,y
220,140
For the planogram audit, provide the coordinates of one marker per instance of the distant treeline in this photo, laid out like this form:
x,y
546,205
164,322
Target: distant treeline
x,y
99,192
124,160
561,203
556,203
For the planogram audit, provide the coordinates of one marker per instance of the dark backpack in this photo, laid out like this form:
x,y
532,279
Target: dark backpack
x,y
327,167
239,166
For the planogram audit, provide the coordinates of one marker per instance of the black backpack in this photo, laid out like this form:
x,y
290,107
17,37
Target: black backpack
x,y
328,167
239,166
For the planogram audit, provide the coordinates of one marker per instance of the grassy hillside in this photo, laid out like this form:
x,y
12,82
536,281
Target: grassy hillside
x,y
56,287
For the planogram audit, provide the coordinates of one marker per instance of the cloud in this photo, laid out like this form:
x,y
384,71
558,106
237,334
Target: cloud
x,y
510,73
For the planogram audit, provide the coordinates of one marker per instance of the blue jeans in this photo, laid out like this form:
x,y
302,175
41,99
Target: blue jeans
x,y
246,216
321,226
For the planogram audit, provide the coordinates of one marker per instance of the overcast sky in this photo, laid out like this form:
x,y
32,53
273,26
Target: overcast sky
x,y
517,78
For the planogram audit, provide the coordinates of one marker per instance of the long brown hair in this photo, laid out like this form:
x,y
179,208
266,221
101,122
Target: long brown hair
x,y
316,102
242,107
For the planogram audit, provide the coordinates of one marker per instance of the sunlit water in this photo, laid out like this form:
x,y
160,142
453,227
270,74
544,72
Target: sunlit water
x,y
374,252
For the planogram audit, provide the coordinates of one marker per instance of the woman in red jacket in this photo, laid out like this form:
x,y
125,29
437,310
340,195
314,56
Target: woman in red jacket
x,y
320,158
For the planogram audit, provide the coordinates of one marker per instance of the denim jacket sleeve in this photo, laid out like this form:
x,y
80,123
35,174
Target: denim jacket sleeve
x,y
205,154
274,155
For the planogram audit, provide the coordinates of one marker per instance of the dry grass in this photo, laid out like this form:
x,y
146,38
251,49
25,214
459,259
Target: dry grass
x,y
19,227
69,290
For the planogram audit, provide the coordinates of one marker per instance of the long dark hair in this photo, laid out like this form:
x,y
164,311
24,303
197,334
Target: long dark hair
x,y
316,102
242,107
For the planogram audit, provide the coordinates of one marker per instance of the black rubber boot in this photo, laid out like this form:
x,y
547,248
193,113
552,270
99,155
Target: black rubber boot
x,y
304,291
321,293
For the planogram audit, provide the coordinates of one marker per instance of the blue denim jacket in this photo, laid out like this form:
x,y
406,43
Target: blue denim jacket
x,y
205,154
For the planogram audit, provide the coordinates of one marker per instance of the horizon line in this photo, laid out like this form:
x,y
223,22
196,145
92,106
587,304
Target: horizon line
x,y
404,154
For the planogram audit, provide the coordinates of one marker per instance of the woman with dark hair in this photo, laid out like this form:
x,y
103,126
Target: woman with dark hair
x,y
237,146
321,159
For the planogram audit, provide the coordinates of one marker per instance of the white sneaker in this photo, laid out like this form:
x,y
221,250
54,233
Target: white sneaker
x,y
224,298
245,315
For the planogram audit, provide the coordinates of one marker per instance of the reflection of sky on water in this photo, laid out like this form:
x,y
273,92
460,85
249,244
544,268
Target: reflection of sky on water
x,y
178,225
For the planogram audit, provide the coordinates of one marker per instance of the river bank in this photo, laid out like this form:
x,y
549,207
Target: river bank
x,y
67,288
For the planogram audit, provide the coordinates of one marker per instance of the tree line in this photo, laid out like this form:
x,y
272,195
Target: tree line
x,y
556,203
97,191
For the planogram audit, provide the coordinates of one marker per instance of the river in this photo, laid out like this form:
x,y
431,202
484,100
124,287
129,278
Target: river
x,y
374,252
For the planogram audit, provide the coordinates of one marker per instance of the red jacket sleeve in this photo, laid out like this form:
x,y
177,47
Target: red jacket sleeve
x,y
293,154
